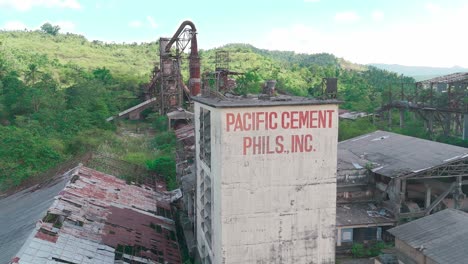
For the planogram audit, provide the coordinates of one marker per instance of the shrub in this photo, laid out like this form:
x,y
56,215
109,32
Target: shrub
x,y
165,166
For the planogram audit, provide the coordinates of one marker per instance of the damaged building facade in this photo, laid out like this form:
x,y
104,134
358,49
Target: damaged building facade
x,y
385,179
266,179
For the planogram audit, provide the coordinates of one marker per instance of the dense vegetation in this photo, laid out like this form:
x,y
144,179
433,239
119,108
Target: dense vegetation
x,y
50,109
56,90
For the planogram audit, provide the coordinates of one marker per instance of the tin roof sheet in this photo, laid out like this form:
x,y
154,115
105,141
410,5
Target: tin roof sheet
x,y
97,218
442,236
394,155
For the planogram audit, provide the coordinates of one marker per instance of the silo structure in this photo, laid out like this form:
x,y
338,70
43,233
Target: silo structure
x,y
266,179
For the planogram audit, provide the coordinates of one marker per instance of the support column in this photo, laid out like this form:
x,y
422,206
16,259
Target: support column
x,y
390,118
458,193
338,239
430,122
428,196
403,189
398,197
402,118
448,124
465,126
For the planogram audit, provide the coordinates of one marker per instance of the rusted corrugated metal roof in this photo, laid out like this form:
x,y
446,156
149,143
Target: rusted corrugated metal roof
x,y
186,134
107,218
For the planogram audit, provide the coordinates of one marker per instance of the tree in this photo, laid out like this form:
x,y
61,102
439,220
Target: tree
x,y
31,73
50,29
103,75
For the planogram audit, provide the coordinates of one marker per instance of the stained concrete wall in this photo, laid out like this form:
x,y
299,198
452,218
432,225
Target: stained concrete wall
x,y
271,206
410,252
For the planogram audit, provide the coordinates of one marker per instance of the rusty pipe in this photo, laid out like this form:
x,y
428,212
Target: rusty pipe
x,y
176,35
194,59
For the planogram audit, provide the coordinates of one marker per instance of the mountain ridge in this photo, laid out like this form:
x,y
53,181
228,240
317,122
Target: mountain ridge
x,y
419,72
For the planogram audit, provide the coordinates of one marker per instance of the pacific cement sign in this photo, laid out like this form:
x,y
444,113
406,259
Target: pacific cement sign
x,y
278,132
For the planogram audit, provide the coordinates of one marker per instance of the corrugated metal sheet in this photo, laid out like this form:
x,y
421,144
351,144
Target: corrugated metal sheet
x,y
98,218
392,154
442,236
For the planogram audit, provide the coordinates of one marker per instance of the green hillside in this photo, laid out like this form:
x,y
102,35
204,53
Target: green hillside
x,y
60,55
57,90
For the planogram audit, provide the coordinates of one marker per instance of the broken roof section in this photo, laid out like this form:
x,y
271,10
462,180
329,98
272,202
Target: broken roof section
x,y
361,214
394,155
98,218
442,236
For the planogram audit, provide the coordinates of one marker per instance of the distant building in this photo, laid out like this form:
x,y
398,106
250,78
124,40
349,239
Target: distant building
x,y
98,218
438,238
266,179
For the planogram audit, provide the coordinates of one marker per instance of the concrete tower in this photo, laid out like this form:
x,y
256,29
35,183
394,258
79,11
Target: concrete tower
x,y
266,179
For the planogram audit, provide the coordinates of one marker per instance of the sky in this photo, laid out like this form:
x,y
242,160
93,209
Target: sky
x,y
413,33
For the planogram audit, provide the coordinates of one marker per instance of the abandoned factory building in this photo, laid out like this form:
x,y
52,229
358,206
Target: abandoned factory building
x,y
384,179
98,218
266,179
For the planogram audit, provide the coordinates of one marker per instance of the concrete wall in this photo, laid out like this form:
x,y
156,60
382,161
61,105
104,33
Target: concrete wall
x,y
410,252
275,203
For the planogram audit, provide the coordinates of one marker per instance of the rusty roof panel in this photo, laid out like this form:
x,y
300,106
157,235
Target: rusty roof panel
x,y
99,212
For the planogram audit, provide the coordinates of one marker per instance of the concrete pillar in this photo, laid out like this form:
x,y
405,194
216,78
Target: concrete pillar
x,y
398,197
430,122
390,118
447,125
403,189
402,118
458,192
338,239
428,196
465,126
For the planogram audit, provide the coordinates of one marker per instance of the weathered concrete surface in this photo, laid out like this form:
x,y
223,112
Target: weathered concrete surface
x,y
272,201
20,212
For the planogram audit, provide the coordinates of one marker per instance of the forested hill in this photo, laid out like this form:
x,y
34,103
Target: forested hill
x,y
63,55
56,90
291,58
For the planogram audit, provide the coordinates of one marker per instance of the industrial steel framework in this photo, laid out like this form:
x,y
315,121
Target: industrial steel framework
x,y
456,169
453,113
216,82
166,82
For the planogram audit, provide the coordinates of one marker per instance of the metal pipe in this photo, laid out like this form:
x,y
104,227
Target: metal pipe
x,y
194,59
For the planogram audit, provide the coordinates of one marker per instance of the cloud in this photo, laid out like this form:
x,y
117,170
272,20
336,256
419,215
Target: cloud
x,y
25,5
135,24
14,25
346,16
377,15
432,8
404,43
151,21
